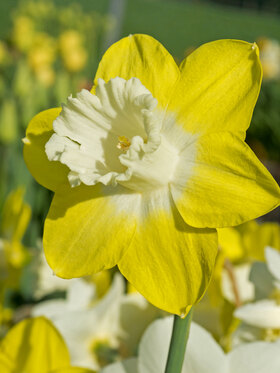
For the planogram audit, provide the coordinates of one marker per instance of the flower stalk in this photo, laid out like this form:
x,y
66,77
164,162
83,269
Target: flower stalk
x,y
179,338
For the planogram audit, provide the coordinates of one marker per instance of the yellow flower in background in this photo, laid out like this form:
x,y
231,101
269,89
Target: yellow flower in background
x,y
33,346
14,221
230,285
14,255
70,39
8,121
46,75
270,57
43,51
23,33
102,281
41,56
75,60
148,164
73,53
248,241
239,247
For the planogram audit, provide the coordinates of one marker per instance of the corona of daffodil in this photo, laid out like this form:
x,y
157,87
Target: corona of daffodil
x,y
148,164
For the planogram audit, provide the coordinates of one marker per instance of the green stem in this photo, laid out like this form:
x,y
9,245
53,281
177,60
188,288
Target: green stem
x,y
177,348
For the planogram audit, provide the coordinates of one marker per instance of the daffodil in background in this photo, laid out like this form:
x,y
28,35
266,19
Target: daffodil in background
x,y
248,241
46,282
73,53
14,256
15,218
231,285
203,355
33,346
99,332
261,319
149,163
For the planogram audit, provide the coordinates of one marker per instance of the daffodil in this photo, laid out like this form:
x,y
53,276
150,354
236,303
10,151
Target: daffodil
x,y
203,354
47,282
265,312
244,290
23,33
231,279
73,54
14,221
248,241
101,332
148,164
33,346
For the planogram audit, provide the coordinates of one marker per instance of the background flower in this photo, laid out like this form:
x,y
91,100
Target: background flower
x,y
153,350
45,349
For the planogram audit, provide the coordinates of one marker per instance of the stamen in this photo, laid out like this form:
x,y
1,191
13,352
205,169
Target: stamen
x,y
124,143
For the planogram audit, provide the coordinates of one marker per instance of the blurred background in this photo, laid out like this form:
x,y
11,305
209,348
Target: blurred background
x,y
51,48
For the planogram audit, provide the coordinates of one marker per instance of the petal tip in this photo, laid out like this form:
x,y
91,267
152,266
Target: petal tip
x,y
26,141
255,49
185,312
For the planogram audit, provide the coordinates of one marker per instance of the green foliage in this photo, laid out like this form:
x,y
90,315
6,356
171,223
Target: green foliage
x,y
265,127
44,59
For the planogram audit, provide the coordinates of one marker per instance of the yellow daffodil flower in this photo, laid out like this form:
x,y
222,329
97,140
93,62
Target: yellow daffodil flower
x,y
73,54
107,330
148,164
33,346
23,33
248,241
14,221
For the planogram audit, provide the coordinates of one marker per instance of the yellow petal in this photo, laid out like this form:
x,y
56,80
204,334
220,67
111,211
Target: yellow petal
x,y
87,231
228,185
49,174
143,57
33,346
15,216
257,237
231,244
169,262
219,86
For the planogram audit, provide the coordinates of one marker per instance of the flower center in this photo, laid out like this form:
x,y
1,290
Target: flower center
x,y
114,137
103,351
271,335
124,143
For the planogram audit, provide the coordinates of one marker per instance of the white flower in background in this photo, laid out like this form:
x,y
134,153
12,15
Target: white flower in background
x,y
47,281
203,354
273,263
244,288
264,313
79,296
102,332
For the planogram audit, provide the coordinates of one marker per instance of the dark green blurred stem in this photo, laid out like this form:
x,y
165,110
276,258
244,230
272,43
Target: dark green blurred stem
x,y
179,338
